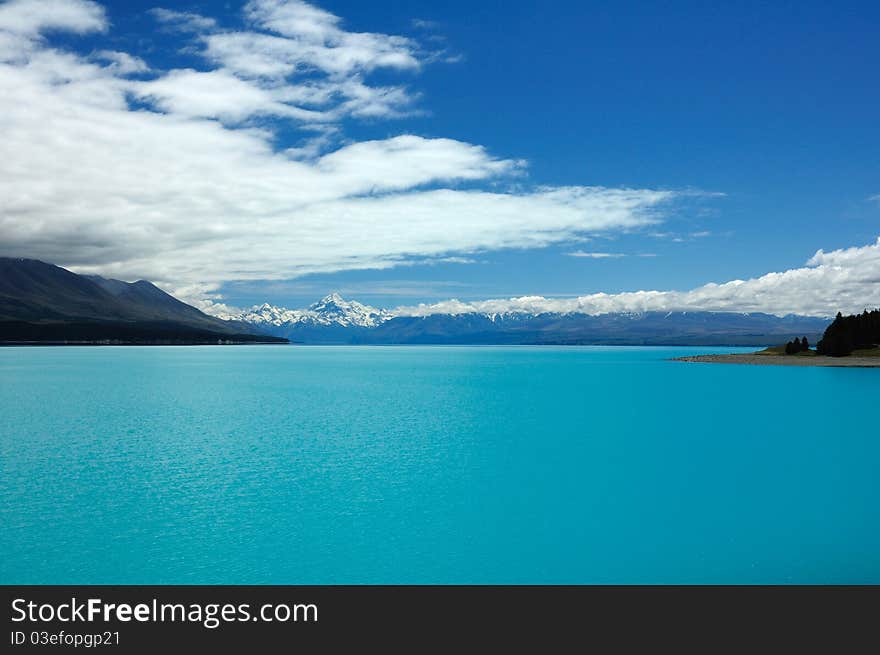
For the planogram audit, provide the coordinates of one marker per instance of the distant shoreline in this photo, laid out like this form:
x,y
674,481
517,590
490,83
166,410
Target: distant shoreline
x,y
139,343
783,360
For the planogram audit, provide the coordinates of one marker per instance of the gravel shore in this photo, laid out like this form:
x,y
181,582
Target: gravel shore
x,y
782,360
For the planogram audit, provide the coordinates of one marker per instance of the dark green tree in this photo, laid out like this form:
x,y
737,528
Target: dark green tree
x,y
848,333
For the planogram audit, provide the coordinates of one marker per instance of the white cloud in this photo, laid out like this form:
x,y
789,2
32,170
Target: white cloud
x,y
29,17
456,260
124,63
316,38
595,255
290,41
841,280
422,24
290,38
406,161
191,192
216,94
681,238
183,20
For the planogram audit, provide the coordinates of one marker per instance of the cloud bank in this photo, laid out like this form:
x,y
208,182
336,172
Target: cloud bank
x,y
113,167
846,280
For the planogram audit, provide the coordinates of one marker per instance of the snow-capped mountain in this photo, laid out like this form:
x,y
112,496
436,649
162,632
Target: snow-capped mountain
x,y
332,310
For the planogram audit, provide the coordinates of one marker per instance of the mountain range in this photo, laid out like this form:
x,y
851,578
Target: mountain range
x,y
43,303
334,320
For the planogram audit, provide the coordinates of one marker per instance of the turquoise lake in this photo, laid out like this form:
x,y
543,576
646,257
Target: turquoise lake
x,y
300,465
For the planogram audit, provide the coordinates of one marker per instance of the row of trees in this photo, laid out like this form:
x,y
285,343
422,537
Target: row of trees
x,y
848,333
797,346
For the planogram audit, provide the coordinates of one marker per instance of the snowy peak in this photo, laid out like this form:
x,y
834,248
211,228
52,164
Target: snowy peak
x,y
330,310
331,299
267,314
333,304
335,309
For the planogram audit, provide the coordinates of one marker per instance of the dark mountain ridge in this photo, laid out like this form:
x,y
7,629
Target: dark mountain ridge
x,y
40,302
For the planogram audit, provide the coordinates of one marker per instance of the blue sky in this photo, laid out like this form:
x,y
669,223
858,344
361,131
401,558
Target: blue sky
x,y
760,120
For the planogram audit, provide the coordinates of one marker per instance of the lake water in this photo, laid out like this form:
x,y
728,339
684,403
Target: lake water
x,y
284,464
